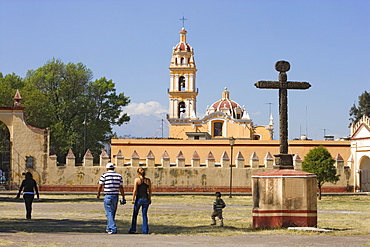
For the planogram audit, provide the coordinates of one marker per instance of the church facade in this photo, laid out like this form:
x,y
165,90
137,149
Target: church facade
x,y
220,151
201,146
223,119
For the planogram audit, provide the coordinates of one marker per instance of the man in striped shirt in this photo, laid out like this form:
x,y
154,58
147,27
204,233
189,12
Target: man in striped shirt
x,y
113,185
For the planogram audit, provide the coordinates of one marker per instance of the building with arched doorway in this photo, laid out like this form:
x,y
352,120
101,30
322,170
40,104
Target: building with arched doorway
x,y
360,154
28,146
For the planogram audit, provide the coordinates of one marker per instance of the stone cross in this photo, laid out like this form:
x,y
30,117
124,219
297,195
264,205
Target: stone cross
x,y
283,160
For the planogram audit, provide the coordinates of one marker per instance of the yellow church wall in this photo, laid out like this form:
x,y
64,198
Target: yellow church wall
x,y
179,131
230,129
218,147
178,174
238,131
263,133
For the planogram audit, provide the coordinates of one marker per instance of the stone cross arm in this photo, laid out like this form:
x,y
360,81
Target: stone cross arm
x,y
278,85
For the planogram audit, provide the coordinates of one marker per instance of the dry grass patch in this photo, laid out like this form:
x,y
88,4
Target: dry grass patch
x,y
174,215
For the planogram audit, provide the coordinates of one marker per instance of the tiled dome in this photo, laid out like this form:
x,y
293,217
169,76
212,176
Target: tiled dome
x,y
227,106
182,46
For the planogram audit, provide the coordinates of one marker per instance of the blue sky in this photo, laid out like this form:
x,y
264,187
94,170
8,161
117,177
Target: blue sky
x,y
236,43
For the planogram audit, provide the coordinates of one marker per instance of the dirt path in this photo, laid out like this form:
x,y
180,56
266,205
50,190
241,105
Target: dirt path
x,y
78,221
100,239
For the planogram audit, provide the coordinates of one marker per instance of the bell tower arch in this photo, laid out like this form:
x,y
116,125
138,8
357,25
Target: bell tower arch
x,y
182,91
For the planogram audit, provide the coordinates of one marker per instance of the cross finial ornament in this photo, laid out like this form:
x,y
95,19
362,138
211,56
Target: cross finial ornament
x,y
183,21
283,160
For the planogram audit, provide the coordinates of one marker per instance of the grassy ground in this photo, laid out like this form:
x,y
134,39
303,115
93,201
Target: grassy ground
x,y
175,215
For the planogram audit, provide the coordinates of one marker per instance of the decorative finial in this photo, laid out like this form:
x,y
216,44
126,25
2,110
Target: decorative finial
x,y
225,94
17,98
282,66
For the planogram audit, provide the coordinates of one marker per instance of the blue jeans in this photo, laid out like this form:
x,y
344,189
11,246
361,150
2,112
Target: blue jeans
x,y
110,206
144,203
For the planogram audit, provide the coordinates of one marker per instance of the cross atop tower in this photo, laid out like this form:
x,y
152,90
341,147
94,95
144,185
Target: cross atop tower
x,y
183,21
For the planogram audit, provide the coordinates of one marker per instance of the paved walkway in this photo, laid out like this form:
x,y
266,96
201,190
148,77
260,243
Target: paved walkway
x,y
73,236
90,239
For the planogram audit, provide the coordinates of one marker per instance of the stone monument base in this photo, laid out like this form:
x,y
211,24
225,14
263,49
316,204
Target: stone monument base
x,y
284,198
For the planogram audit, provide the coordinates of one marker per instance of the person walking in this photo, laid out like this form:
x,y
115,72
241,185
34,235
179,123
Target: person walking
x,y
29,187
218,205
112,183
2,177
141,197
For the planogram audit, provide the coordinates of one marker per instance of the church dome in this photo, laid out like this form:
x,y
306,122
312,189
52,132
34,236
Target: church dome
x,y
183,45
227,106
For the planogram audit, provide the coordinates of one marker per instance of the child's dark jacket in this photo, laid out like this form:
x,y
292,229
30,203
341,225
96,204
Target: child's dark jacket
x,y
218,205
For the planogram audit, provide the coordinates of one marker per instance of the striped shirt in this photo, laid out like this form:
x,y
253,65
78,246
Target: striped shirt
x,y
111,181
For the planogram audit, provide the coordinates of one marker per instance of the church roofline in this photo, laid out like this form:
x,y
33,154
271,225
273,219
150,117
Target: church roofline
x,y
222,116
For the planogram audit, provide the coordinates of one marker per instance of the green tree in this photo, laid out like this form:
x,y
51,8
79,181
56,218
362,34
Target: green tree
x,y
363,108
79,111
319,161
8,86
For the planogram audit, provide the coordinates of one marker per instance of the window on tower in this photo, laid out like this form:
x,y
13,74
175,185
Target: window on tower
x,y
182,83
182,110
256,137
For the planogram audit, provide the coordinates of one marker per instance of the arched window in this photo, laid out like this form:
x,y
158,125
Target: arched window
x,y
182,110
256,137
217,129
182,83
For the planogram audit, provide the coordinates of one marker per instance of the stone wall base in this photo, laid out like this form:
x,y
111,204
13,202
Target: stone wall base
x,y
284,218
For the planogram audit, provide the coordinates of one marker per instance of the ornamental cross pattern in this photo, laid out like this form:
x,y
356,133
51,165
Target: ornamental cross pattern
x,y
283,160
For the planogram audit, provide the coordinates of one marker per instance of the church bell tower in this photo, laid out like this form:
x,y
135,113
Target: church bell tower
x,y
182,91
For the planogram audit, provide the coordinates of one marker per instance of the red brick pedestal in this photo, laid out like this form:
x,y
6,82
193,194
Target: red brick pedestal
x,y
284,198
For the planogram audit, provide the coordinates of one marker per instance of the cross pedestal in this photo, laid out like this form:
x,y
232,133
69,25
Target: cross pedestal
x,y
284,161
284,197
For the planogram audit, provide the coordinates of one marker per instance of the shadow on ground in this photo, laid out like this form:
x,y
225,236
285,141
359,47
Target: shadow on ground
x,y
205,229
52,225
98,226
48,200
